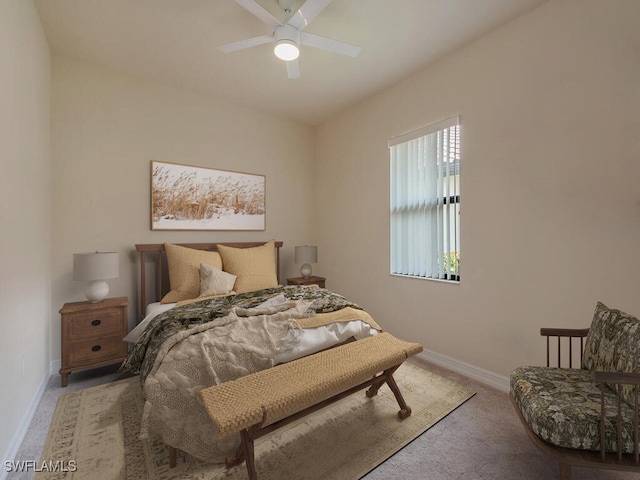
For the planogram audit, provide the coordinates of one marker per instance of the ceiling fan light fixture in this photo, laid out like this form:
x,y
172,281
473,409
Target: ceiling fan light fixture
x,y
286,50
287,37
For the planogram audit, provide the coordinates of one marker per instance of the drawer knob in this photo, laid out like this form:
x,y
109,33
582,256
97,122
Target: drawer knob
x,y
95,348
95,323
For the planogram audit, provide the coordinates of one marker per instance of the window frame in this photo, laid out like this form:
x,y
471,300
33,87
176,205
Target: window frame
x,y
444,202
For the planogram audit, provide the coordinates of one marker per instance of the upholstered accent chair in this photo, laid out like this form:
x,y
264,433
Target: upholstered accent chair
x,y
586,416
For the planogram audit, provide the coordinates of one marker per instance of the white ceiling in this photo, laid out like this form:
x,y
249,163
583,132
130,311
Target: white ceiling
x,y
174,41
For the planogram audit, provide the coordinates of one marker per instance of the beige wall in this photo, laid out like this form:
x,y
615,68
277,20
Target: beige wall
x,y
551,165
25,215
107,127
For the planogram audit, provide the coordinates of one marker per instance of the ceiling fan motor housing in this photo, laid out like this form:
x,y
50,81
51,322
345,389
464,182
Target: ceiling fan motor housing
x,y
287,32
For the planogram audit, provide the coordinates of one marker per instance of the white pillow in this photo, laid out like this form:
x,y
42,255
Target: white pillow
x,y
273,301
153,310
214,281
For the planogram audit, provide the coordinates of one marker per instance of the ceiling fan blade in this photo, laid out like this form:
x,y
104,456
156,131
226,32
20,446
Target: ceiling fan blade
x,y
307,12
293,69
242,44
259,12
329,44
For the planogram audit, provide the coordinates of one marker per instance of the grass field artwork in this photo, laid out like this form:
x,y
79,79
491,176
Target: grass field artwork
x,y
185,197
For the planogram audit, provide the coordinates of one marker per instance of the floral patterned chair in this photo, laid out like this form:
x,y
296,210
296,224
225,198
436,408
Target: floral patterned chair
x,y
586,416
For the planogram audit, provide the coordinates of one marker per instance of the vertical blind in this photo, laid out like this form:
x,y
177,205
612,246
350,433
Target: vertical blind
x,y
425,201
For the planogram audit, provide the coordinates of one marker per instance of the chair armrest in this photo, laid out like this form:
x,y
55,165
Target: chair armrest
x,y
619,379
564,332
615,377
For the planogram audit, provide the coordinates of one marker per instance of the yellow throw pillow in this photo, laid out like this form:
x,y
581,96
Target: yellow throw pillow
x,y
184,271
255,267
214,281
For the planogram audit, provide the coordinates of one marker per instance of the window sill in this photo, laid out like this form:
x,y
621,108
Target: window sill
x,y
441,280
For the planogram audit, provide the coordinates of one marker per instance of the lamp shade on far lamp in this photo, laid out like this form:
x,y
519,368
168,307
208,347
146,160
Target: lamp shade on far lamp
x,y
306,255
95,268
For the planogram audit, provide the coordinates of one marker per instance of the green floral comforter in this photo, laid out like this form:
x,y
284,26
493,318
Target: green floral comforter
x,y
141,357
562,407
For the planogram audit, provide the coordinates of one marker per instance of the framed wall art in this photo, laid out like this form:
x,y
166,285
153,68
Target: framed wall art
x,y
184,197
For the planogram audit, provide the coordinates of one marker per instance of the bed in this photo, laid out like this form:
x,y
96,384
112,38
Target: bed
x,y
218,314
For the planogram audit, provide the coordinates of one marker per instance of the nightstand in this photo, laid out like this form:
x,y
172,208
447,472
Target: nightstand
x,y
306,281
92,334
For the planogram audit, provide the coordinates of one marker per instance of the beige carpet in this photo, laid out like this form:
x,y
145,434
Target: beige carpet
x,y
94,435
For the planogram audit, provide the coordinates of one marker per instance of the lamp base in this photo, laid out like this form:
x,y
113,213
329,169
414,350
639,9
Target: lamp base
x,y
305,270
96,291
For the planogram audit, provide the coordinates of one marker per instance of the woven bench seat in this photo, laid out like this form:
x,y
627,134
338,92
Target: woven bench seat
x,y
261,402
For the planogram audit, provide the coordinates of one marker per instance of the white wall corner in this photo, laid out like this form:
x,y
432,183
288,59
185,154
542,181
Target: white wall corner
x,y
481,375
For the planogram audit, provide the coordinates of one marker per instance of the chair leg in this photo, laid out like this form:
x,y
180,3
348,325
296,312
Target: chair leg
x,y
172,457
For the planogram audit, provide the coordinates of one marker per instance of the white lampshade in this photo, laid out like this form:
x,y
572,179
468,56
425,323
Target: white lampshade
x,y
95,268
306,254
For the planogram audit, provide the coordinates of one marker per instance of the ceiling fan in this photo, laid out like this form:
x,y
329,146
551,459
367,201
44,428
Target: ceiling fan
x,y
289,36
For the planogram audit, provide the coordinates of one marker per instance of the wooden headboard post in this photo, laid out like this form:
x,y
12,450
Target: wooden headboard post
x,y
156,250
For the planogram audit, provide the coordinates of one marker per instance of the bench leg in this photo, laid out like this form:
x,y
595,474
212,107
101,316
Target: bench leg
x,y
237,458
372,391
387,378
247,445
405,410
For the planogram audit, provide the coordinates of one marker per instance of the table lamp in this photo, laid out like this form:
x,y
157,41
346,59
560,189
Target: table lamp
x,y
306,255
95,268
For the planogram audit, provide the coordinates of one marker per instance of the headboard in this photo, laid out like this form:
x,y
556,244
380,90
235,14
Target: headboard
x,y
159,283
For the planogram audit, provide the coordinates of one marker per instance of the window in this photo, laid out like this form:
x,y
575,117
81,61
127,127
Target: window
x,y
425,202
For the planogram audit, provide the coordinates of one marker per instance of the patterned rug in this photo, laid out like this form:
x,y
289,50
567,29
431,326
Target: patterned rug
x,y
94,434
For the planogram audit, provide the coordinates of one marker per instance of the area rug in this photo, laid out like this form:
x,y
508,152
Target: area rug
x,y
94,434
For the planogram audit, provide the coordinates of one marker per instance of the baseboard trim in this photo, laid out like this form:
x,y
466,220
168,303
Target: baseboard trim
x,y
481,375
18,437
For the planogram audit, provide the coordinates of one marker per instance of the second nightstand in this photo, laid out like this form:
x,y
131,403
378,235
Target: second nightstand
x,y
306,281
92,334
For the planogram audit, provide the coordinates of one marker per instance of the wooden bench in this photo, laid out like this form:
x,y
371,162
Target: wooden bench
x,y
262,402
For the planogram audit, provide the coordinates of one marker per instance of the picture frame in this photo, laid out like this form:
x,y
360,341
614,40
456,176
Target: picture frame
x,y
185,197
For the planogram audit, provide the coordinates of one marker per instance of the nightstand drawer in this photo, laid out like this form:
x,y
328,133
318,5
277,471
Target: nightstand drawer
x,y
95,350
98,323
